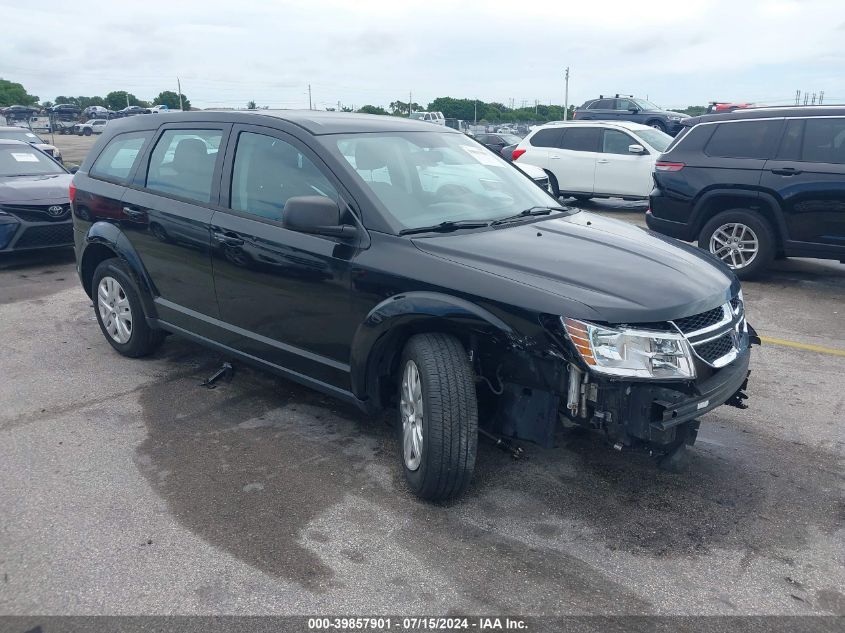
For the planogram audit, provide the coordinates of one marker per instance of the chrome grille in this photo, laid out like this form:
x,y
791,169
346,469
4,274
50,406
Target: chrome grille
x,y
700,321
712,351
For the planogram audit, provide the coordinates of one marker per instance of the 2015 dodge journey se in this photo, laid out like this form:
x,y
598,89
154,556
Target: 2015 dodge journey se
x,y
392,264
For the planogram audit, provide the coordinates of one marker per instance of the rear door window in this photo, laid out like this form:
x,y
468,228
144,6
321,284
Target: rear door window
x,y
581,139
601,104
824,141
120,156
745,139
182,163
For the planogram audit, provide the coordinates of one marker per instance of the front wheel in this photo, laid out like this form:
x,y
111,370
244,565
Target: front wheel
x,y
87,131
742,239
657,125
438,416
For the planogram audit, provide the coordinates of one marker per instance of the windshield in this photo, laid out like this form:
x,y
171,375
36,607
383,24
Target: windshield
x,y
511,139
426,178
417,115
646,105
21,160
20,135
657,139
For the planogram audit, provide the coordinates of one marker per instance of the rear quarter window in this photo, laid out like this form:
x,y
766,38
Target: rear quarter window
x,y
117,161
546,138
745,139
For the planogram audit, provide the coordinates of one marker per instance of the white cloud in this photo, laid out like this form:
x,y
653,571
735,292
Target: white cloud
x,y
375,52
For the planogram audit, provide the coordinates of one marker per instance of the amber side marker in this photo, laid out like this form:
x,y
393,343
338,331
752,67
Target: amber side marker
x,y
809,348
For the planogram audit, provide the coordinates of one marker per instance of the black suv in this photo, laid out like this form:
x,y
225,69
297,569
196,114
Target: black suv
x,y
392,263
756,184
622,108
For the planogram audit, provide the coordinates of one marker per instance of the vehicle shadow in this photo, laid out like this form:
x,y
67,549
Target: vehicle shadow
x,y
302,487
27,259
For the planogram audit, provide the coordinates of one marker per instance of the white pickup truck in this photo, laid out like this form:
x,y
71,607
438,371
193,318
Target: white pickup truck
x,y
94,126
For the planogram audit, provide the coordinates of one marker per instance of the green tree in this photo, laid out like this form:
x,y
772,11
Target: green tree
x,y
12,93
171,100
400,108
251,105
695,110
116,100
371,109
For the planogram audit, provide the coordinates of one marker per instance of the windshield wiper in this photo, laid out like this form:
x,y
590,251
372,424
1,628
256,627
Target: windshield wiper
x,y
527,213
446,227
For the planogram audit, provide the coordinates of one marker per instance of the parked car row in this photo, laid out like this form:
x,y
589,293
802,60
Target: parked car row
x,y
749,185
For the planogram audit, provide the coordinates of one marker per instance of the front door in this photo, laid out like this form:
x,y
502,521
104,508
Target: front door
x,y
809,175
618,171
167,220
283,295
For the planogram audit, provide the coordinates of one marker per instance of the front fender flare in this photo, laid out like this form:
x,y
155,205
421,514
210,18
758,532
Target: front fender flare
x,y
400,316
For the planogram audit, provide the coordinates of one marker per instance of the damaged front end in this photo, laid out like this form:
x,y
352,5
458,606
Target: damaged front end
x,y
640,385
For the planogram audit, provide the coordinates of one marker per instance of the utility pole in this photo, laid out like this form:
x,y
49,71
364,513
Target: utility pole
x,y
410,101
806,98
338,106
797,97
814,99
566,95
127,99
475,113
179,89
821,97
309,97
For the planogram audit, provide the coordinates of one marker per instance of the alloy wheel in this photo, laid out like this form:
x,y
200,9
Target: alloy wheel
x,y
411,407
115,311
735,244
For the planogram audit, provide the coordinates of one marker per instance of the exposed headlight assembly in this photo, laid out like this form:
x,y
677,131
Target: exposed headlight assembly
x,y
631,353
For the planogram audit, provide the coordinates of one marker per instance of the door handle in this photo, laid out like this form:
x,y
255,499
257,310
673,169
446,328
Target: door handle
x,y
602,161
786,171
227,239
554,157
133,213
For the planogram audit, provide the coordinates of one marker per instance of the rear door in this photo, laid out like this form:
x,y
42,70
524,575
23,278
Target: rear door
x,y
618,171
574,162
809,176
168,210
284,295
599,110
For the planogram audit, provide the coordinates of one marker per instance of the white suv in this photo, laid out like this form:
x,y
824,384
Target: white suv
x,y
595,159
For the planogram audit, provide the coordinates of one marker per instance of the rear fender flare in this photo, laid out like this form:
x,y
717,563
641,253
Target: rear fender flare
x,y
109,235
382,334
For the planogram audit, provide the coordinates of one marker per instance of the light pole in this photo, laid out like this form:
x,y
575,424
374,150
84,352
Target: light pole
x,y
566,96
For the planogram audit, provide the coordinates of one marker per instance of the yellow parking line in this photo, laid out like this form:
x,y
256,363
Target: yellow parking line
x,y
804,346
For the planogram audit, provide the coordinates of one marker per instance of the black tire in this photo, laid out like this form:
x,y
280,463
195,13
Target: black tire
x,y
657,125
87,131
143,340
758,225
553,184
449,418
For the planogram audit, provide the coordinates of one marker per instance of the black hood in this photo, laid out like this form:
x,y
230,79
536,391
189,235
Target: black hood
x,y
46,189
623,273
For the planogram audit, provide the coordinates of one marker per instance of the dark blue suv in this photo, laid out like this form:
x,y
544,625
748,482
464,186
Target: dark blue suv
x,y
756,184
622,108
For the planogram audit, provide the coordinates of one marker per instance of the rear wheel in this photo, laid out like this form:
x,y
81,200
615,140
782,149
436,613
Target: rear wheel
x,y
87,131
742,239
117,305
438,416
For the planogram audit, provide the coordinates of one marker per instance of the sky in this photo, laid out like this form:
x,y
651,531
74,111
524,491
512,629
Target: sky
x,y
358,52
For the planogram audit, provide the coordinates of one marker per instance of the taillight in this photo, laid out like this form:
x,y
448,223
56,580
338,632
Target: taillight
x,y
517,153
666,166
71,191
574,114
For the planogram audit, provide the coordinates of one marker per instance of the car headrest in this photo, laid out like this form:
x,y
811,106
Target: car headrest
x,y
190,153
369,155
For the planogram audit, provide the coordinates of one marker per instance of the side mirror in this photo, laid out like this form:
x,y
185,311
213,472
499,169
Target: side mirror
x,y
633,110
636,149
317,215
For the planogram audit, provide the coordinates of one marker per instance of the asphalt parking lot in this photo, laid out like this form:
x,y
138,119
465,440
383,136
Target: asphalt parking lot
x,y
127,488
